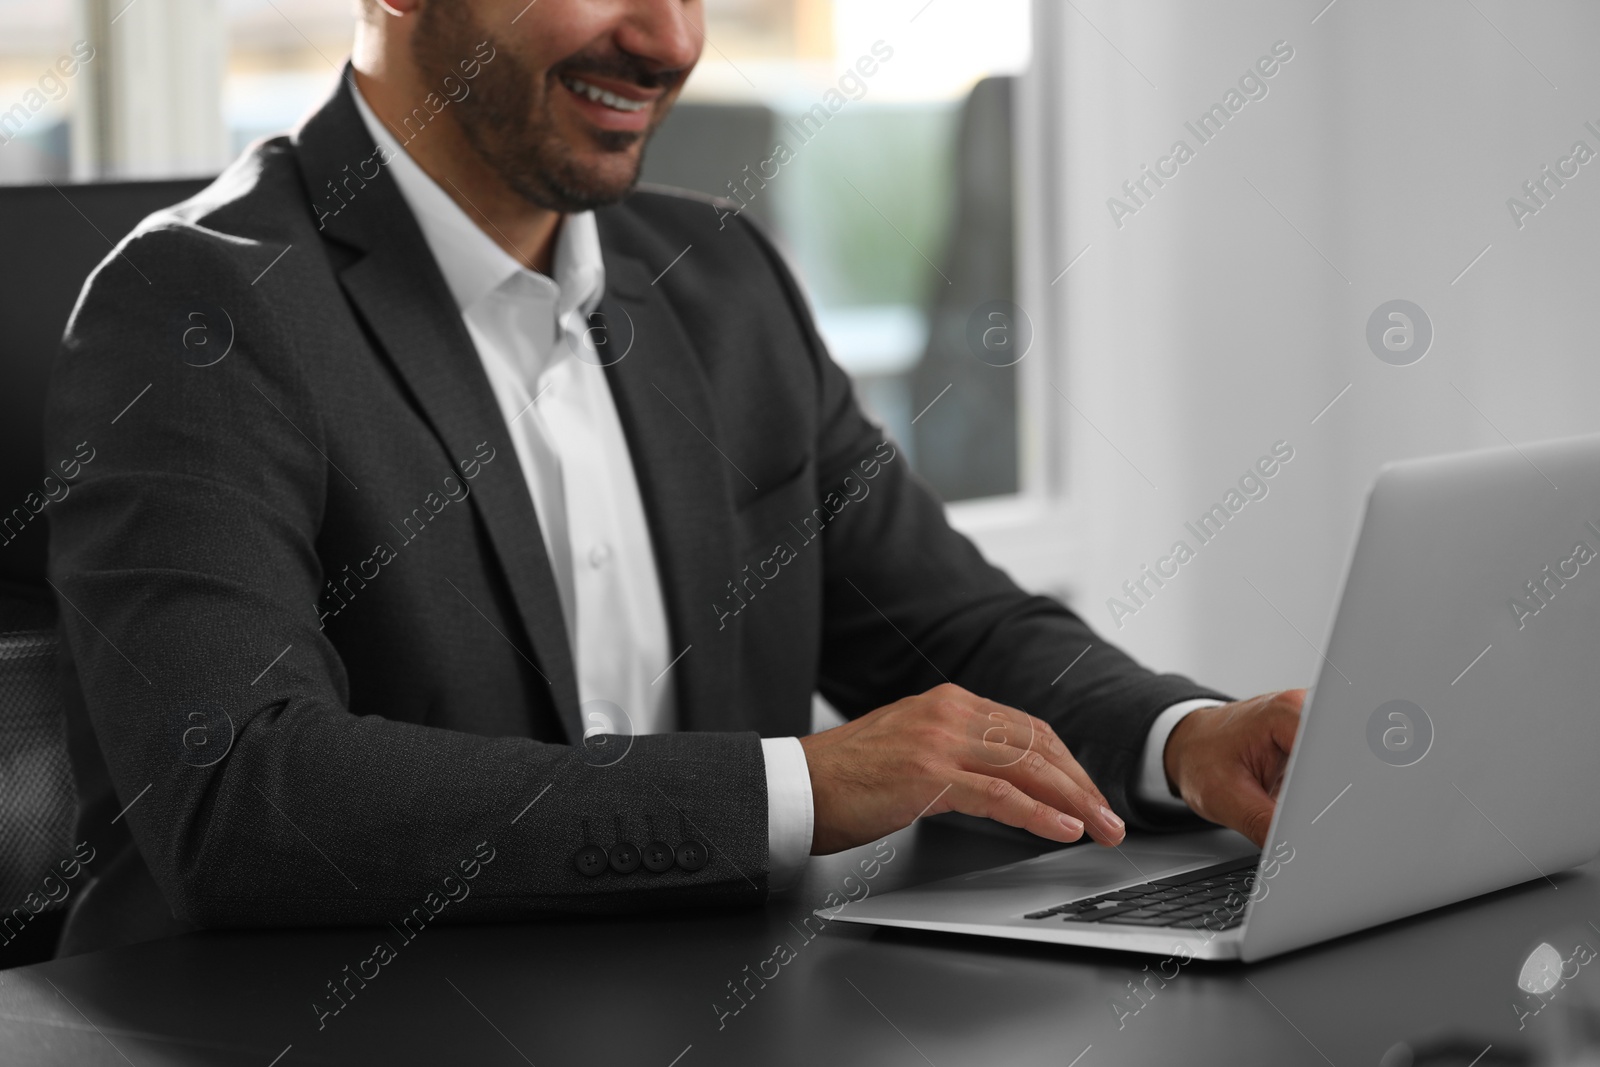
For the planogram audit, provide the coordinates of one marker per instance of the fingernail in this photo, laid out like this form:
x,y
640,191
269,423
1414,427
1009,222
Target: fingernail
x,y
1110,818
1072,825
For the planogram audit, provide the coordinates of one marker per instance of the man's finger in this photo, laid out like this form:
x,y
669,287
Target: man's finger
x,y
1243,806
1055,750
1281,723
1285,722
1009,734
1044,781
995,798
1026,752
1088,802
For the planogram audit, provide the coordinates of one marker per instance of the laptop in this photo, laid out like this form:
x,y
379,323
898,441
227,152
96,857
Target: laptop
x,y
1446,749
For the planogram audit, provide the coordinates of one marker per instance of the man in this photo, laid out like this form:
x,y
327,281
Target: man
x,y
457,508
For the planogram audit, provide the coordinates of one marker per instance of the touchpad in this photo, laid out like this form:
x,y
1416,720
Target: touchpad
x,y
1090,867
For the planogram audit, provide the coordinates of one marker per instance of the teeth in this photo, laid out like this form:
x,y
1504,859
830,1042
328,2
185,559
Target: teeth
x,y
605,96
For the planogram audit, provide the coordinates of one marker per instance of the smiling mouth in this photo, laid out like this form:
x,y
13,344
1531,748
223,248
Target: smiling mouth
x,y
603,96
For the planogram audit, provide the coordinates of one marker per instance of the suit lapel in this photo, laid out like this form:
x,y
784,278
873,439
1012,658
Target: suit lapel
x,y
422,333
664,402
398,290
662,398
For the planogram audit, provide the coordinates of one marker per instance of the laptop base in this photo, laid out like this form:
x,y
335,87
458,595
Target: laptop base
x,y
997,901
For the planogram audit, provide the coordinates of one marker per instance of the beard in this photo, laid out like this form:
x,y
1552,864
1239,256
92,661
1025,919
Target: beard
x,y
509,118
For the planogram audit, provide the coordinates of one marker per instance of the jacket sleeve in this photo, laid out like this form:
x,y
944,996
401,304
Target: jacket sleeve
x,y
911,603
185,559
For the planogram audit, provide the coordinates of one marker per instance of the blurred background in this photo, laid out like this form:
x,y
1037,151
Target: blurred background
x,y
1079,357
869,213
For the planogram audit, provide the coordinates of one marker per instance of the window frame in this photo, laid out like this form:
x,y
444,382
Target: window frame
x,y
1029,533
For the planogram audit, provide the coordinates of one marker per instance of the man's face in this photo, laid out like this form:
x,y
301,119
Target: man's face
x,y
574,90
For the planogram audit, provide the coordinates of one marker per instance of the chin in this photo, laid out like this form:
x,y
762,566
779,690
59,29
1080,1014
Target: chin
x,y
578,182
613,177
598,174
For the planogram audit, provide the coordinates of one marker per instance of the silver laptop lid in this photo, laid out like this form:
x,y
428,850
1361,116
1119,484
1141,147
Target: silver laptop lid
x,y
1449,745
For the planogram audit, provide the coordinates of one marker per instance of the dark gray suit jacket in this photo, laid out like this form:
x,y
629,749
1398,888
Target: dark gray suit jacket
x,y
314,638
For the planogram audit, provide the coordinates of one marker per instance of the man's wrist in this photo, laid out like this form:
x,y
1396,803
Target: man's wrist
x,y
1155,783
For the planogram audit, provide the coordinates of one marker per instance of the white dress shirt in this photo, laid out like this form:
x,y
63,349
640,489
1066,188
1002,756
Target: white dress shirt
x,y
531,334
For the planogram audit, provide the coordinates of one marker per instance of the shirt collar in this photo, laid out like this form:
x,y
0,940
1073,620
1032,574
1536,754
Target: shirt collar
x,y
472,263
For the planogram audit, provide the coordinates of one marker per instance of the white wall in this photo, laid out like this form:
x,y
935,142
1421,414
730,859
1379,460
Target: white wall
x,y
1206,327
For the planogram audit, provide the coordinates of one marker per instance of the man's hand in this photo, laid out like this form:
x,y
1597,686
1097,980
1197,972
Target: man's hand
x,y
948,750
1228,762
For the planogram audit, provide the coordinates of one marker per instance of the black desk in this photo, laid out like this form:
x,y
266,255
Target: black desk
x,y
642,990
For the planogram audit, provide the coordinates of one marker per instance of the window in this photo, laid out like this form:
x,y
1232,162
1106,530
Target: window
x,y
38,82
875,141
283,59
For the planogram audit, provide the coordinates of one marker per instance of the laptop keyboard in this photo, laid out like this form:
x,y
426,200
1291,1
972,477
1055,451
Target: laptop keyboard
x,y
1211,898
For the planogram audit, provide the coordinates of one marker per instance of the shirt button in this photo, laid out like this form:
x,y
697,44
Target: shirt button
x,y
599,555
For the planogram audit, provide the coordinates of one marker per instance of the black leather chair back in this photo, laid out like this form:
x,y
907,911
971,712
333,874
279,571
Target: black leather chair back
x,y
53,237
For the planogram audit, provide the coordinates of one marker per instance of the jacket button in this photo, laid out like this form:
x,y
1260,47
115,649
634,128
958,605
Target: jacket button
x,y
590,860
624,857
658,856
691,855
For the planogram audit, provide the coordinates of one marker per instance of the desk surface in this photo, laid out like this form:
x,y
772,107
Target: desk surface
x,y
647,990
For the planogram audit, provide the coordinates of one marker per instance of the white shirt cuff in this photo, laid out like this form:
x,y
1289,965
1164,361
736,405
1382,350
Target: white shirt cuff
x,y
789,810
1152,787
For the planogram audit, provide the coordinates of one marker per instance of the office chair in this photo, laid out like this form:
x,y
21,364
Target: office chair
x,y
54,238
971,449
